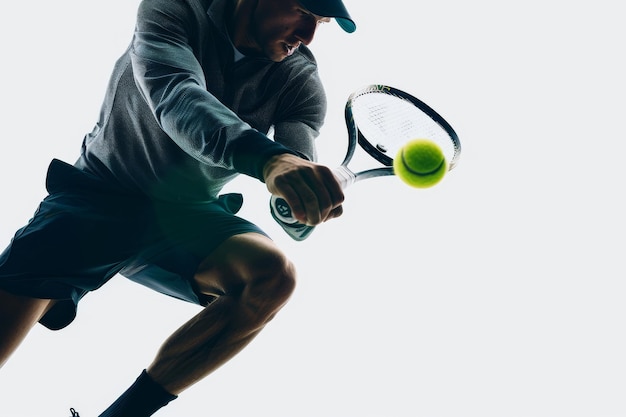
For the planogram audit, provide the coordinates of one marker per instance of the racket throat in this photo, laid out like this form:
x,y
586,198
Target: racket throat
x,y
344,176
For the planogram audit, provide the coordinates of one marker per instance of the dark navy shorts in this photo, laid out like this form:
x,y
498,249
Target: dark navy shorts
x,y
86,231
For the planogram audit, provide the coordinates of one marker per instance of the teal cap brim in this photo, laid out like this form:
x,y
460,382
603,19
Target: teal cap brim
x,y
331,8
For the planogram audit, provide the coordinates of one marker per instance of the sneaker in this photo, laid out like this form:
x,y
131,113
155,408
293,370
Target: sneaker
x,y
74,413
281,212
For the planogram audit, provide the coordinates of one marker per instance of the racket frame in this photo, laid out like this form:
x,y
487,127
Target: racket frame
x,y
356,136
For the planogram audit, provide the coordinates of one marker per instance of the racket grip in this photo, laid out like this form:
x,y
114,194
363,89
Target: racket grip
x,y
281,210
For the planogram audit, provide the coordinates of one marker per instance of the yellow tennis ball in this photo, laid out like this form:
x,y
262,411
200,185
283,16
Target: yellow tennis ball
x,y
420,163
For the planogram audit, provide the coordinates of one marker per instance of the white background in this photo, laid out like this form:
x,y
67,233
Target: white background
x,y
498,293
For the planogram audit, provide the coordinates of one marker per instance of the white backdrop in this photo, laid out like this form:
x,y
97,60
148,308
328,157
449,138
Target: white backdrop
x,y
498,293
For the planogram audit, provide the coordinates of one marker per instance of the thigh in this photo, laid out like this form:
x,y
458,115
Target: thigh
x,y
188,236
18,315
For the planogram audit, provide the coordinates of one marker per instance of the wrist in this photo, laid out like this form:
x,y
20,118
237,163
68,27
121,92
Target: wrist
x,y
273,161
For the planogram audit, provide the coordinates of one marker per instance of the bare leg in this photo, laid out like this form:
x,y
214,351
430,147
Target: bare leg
x,y
253,280
18,315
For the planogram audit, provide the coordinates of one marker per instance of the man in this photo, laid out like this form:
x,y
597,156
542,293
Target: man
x,y
187,109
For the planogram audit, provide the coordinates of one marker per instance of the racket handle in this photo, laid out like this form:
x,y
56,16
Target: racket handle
x,y
281,212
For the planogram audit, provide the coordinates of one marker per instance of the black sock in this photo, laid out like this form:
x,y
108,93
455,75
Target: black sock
x,y
142,399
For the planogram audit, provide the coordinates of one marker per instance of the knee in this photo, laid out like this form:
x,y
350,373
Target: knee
x,y
270,284
250,271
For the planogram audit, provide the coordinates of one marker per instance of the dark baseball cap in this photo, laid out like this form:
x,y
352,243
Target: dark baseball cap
x,y
331,8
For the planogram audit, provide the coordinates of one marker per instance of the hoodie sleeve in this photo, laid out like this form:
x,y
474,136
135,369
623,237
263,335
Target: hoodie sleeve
x,y
172,82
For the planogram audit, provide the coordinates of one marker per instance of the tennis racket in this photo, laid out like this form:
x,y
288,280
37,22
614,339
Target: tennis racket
x,y
381,119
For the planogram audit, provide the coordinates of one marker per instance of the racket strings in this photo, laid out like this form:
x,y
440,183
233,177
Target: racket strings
x,y
389,121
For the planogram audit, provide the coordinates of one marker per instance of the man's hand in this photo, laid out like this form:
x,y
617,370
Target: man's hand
x,y
310,189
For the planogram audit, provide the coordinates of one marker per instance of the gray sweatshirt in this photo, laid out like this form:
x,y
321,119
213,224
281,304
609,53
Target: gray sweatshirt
x,y
181,118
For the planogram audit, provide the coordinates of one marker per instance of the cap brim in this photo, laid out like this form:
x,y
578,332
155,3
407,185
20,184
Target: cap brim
x,y
331,8
346,24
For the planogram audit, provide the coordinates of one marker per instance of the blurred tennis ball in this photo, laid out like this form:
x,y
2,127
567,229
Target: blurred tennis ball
x,y
420,163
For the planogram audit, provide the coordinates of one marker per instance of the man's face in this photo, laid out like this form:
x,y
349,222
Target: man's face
x,y
278,27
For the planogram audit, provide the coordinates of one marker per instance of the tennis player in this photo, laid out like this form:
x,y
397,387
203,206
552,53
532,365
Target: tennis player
x,y
189,106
